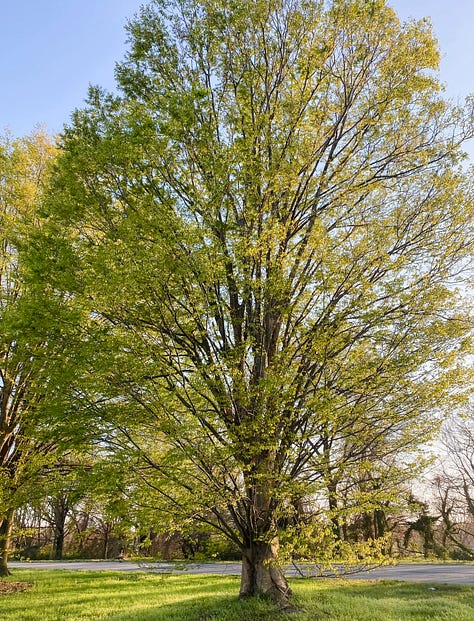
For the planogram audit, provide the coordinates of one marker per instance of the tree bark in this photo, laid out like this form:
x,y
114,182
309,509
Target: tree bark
x,y
6,527
58,542
60,507
261,574
107,531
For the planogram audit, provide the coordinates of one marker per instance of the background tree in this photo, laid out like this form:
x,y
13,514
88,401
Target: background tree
x,y
68,484
454,486
22,362
261,233
33,398
78,515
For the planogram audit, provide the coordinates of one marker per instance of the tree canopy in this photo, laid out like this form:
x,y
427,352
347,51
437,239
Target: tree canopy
x,y
40,349
263,232
24,449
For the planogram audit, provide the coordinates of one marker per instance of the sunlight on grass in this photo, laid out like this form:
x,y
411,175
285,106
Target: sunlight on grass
x,y
114,596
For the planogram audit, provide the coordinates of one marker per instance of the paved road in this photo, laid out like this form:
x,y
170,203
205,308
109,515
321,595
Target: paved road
x,y
447,574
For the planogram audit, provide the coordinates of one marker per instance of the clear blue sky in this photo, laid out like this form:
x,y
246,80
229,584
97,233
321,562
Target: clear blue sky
x,y
50,50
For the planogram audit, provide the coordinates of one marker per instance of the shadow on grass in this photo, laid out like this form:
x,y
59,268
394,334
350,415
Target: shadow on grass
x,y
210,599
205,609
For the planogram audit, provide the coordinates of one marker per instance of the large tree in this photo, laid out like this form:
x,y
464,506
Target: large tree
x,y
264,229
32,398
22,170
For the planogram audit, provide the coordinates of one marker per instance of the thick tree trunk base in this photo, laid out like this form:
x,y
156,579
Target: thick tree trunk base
x,y
6,528
4,571
261,576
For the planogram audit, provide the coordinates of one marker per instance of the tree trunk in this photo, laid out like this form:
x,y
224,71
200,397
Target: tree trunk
x,y
6,527
60,506
334,508
261,574
380,523
58,542
107,531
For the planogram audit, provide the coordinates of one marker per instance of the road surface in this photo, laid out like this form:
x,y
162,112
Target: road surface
x,y
442,574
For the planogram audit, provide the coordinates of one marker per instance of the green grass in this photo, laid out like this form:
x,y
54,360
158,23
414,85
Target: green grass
x,y
114,596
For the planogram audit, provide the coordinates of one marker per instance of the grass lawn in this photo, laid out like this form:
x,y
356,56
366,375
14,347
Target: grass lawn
x,y
114,596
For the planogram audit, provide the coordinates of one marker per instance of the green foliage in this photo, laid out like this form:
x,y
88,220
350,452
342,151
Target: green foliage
x,y
38,420
316,542
24,448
